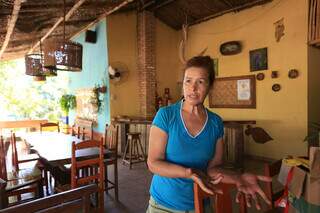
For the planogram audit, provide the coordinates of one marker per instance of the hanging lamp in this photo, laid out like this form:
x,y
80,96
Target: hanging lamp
x,y
34,65
63,55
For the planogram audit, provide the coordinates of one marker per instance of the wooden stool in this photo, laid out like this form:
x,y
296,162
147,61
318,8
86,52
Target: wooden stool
x,y
132,148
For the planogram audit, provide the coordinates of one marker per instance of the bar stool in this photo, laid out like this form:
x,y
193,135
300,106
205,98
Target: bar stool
x,y
132,149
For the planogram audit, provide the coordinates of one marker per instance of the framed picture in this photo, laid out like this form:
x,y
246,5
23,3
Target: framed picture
x,y
259,59
233,92
230,48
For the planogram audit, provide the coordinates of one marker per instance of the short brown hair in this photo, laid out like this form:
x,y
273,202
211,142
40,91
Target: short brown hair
x,y
205,62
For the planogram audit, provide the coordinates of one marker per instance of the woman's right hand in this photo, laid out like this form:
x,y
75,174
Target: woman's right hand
x,y
205,182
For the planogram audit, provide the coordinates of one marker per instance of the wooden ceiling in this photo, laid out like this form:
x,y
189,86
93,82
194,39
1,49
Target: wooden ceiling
x,y
24,22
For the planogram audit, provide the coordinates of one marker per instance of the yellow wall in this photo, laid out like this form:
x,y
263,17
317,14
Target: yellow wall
x,y
284,114
122,46
167,60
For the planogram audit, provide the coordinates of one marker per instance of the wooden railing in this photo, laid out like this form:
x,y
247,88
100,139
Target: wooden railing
x,y
68,201
21,124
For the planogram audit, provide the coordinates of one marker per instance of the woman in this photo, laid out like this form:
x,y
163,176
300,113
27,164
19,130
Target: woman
x,y
186,141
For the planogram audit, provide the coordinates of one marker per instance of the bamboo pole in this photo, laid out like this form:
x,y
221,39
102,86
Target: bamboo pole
x,y
11,24
67,17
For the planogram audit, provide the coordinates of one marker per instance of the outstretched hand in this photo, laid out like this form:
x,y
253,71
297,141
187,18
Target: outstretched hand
x,y
205,182
248,185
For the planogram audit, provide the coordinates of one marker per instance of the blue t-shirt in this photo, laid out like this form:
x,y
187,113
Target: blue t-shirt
x,y
185,150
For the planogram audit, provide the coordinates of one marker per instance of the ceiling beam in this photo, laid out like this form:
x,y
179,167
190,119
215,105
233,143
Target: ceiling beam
x,y
162,4
11,23
104,15
238,8
67,17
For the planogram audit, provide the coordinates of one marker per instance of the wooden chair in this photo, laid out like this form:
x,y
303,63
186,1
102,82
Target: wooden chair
x,y
111,143
82,129
222,203
19,181
50,126
95,165
28,160
132,149
71,201
272,170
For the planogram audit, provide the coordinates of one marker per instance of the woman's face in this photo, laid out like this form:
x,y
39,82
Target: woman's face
x,y
195,85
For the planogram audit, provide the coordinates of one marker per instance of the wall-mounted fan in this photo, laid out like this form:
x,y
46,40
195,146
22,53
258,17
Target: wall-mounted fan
x,y
118,72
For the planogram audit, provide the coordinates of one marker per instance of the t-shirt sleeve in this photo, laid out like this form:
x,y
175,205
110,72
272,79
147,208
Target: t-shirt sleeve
x,y
161,120
220,127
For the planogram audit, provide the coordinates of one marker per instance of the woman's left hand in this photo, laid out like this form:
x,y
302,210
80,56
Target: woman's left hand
x,y
248,185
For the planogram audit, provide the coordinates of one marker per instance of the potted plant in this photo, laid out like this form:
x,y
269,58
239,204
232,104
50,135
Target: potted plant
x,y
96,99
102,88
67,102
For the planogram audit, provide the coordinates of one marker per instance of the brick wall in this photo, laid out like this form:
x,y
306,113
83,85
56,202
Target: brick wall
x,y
146,32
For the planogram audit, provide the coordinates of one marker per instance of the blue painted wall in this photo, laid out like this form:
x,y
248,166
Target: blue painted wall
x,y
94,69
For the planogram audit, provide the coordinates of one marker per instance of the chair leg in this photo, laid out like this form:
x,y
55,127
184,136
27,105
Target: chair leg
x,y
130,155
116,193
137,155
106,177
143,154
125,151
40,189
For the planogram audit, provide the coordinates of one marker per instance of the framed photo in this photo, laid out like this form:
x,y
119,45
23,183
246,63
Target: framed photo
x,y
258,59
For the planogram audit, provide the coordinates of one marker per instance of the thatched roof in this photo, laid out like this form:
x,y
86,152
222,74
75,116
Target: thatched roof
x,y
24,22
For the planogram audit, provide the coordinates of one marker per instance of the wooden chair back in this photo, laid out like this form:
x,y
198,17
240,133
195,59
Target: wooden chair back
x,y
222,203
14,153
3,166
83,129
111,138
95,165
272,170
69,201
49,125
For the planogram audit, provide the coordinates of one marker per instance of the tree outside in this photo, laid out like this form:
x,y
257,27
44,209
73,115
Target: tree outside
x,y
22,98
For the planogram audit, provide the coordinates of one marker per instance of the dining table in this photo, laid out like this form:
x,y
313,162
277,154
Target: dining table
x,y
56,147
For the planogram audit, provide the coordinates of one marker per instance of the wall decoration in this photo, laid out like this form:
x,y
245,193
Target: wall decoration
x,y
279,29
276,87
230,48
260,76
274,74
258,59
293,73
87,108
233,92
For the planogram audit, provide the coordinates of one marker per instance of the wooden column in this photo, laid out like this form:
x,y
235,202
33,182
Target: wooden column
x,y
3,194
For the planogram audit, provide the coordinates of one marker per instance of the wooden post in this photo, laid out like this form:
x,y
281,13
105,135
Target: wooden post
x,y
3,194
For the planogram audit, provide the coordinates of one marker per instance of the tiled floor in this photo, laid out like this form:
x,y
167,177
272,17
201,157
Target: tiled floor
x,y
134,188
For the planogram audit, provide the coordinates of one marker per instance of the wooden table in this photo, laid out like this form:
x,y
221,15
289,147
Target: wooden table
x,y
56,148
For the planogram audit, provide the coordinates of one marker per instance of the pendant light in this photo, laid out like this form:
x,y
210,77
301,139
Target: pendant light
x,y
63,55
34,65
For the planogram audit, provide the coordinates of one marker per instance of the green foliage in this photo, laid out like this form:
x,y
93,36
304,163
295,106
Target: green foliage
x,y
67,102
97,99
22,98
